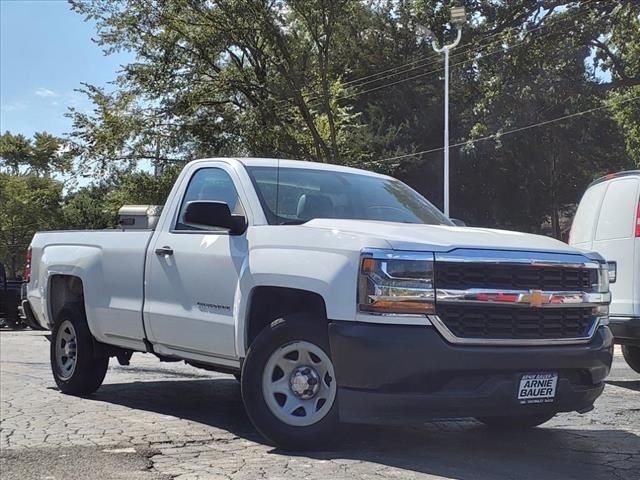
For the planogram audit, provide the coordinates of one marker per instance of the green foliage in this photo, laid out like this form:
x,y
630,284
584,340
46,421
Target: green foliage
x,y
352,82
86,209
141,188
627,115
96,206
29,203
222,77
43,155
537,175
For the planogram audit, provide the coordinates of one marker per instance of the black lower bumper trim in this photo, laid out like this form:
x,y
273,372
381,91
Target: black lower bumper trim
x,y
408,374
626,330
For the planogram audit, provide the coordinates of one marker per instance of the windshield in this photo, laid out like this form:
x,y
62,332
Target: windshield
x,y
304,194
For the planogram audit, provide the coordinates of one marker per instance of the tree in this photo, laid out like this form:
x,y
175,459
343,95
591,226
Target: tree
x,y
96,206
554,162
86,209
43,156
351,82
141,188
228,76
29,203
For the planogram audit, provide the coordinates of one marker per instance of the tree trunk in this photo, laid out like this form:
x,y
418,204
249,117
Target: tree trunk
x,y
14,265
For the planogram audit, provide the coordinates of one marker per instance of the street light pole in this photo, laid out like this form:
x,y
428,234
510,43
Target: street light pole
x,y
445,49
457,19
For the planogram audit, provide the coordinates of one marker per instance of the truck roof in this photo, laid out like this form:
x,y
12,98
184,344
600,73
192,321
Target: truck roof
x,y
611,176
274,162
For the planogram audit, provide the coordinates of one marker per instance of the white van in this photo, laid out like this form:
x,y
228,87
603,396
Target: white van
x,y
608,222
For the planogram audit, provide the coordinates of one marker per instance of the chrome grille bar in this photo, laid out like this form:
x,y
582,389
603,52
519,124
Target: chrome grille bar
x,y
524,298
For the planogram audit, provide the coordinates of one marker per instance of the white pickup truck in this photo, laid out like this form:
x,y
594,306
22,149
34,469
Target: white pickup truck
x,y
333,294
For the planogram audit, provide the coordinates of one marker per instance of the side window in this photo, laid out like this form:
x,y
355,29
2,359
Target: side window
x,y
618,210
209,184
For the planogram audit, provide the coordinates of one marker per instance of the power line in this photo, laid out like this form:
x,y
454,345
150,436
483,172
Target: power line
x,y
471,46
431,72
316,101
508,132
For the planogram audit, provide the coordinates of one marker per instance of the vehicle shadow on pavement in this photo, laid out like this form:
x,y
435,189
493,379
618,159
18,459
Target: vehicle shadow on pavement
x,y
212,401
630,384
462,449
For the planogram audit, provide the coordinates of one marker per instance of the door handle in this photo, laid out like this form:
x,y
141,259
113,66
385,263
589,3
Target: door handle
x,y
164,251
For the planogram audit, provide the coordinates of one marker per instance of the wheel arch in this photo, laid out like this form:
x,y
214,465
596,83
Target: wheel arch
x,y
326,279
268,302
62,290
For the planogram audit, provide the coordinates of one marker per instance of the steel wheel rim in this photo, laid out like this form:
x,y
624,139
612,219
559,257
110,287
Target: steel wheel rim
x,y
282,384
66,350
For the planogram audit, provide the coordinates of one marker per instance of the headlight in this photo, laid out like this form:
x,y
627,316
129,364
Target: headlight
x,y
603,279
393,284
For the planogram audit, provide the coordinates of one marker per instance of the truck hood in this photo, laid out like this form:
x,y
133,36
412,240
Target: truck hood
x,y
441,238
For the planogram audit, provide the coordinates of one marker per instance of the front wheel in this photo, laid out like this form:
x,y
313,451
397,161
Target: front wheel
x,y
517,421
288,383
76,368
631,355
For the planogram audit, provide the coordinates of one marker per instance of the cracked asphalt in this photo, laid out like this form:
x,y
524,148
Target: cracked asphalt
x,y
154,420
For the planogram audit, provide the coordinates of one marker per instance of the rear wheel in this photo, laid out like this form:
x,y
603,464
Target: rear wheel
x,y
631,354
288,383
516,422
76,368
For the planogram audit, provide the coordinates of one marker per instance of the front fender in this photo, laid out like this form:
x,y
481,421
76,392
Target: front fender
x,y
330,274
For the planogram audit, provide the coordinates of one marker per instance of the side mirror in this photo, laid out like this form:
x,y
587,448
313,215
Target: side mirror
x,y
458,223
207,214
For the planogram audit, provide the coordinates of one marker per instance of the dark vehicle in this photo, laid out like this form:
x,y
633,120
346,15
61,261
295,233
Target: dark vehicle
x,y
10,293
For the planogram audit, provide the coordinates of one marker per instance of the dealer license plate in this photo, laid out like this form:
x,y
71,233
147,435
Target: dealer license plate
x,y
537,388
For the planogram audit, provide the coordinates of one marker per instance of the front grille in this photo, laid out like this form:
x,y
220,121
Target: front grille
x,y
462,276
520,323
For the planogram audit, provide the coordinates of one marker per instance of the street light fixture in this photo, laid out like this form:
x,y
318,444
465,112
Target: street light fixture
x,y
457,19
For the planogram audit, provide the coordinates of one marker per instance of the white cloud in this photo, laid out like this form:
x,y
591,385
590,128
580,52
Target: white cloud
x,y
45,92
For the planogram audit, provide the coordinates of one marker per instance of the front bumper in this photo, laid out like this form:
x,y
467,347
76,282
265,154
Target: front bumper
x,y
626,330
399,374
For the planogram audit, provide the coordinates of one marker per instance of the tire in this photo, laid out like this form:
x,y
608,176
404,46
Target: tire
x,y
274,414
516,422
82,372
631,355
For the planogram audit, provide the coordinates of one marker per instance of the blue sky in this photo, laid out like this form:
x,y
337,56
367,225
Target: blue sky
x,y
45,53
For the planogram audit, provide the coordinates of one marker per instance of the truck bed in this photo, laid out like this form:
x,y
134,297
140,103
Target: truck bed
x,y
113,261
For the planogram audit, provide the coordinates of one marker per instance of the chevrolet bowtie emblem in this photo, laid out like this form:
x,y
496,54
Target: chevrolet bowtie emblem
x,y
535,298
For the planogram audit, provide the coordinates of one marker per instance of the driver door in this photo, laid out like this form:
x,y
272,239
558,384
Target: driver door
x,y
192,276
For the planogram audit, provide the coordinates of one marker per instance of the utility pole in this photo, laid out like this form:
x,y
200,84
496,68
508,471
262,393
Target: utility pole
x,y
457,19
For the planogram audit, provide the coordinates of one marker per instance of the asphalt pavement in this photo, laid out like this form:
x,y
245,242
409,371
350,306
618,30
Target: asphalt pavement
x,y
154,420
